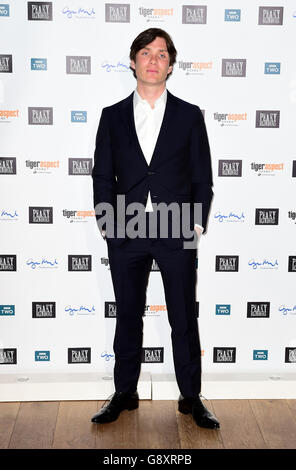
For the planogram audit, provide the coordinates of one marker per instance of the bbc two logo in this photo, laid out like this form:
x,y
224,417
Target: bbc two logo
x,y
4,10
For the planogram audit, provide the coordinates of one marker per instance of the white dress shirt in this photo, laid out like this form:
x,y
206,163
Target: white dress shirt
x,y
148,123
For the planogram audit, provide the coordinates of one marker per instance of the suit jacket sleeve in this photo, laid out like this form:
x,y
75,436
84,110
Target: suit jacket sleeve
x,y
104,182
201,167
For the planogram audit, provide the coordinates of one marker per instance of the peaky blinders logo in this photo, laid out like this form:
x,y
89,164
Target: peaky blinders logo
x,y
40,116
110,309
80,166
7,263
152,355
8,356
227,263
40,11
79,263
40,215
258,309
43,309
78,65
271,16
224,354
194,14
267,119
79,355
266,216
234,67
117,13
7,166
230,168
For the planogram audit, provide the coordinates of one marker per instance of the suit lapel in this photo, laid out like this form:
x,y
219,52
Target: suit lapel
x,y
164,129
127,112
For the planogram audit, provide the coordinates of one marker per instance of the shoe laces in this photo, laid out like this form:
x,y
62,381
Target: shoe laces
x,y
203,397
109,398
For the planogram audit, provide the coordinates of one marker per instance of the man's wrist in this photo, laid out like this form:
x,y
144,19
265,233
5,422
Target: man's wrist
x,y
199,227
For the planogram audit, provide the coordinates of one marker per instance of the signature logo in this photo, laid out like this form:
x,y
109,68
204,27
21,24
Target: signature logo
x,y
119,67
264,263
285,310
231,216
81,12
5,213
107,356
43,263
80,311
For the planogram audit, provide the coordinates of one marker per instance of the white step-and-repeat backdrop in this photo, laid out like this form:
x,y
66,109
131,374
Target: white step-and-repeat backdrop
x,y
61,62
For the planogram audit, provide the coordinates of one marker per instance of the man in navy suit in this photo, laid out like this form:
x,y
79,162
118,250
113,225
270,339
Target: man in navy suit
x,y
152,150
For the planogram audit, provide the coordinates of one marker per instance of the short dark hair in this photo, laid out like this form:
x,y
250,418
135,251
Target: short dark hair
x,y
148,36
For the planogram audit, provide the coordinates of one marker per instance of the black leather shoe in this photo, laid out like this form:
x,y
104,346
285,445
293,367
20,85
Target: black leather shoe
x,y
203,417
120,401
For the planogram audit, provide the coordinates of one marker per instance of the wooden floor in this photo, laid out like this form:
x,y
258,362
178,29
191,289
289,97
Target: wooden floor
x,y
245,424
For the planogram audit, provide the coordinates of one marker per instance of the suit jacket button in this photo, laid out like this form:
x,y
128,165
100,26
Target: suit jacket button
x,y
151,173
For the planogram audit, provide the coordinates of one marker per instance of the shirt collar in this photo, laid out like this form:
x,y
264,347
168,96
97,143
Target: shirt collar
x,y
161,100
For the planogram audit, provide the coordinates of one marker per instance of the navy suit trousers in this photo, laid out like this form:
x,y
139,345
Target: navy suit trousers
x,y
130,265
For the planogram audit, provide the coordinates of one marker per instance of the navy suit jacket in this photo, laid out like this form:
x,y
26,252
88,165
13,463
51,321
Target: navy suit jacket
x,y
180,168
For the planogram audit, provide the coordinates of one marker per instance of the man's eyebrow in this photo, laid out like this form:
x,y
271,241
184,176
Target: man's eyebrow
x,y
161,50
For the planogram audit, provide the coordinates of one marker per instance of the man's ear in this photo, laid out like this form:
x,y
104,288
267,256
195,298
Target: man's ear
x,y
170,69
133,65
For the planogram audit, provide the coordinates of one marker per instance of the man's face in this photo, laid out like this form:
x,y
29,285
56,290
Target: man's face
x,y
152,63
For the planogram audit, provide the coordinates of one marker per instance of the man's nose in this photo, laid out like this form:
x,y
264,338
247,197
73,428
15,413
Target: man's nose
x,y
153,58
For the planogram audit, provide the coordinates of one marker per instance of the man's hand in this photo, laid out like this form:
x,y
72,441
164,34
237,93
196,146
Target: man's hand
x,y
199,229
103,233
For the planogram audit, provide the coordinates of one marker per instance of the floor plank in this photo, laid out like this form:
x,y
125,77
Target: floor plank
x,y
74,429
194,437
35,425
292,406
238,425
8,414
276,422
152,426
